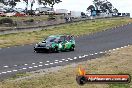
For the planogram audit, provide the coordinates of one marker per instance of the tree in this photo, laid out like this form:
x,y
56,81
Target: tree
x,y
11,3
91,8
115,10
104,6
51,3
26,5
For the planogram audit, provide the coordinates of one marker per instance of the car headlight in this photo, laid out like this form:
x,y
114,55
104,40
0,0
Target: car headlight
x,y
36,45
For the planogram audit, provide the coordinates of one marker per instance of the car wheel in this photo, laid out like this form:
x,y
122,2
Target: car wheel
x,y
56,50
72,48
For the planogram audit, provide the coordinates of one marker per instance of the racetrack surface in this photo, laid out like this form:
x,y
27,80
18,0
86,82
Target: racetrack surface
x,y
22,58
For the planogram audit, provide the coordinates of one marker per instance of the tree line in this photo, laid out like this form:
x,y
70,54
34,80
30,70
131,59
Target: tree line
x,y
13,3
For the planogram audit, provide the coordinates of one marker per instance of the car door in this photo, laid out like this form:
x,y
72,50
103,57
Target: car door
x,y
67,43
62,43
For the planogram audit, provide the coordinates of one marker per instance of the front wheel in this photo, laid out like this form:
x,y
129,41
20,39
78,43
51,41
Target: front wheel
x,y
56,50
72,48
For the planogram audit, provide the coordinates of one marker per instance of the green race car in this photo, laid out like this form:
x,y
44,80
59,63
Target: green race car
x,y
56,43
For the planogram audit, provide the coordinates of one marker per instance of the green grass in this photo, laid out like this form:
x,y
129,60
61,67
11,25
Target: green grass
x,y
36,18
119,86
76,29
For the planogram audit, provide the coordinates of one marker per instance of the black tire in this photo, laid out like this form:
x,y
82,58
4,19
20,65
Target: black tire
x,y
72,48
56,50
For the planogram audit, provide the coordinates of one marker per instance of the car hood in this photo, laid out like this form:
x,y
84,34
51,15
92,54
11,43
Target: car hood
x,y
44,43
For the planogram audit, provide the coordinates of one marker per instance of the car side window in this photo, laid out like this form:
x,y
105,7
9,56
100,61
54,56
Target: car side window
x,y
62,38
68,38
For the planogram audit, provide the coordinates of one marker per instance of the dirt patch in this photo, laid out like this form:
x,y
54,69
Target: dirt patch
x,y
3,41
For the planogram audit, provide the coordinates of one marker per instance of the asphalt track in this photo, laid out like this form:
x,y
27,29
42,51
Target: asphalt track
x,y
22,58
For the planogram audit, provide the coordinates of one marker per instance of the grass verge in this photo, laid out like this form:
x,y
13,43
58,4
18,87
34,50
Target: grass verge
x,y
77,29
116,62
36,18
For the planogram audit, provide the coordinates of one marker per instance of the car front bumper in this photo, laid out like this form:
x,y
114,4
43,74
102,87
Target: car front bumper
x,y
42,49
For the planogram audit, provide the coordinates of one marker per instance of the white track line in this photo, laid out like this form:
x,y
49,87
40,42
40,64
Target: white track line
x,y
24,68
51,63
101,52
122,47
125,46
47,61
91,54
46,64
66,60
117,48
35,66
95,53
19,69
30,67
3,72
15,65
75,58
40,65
6,66
86,55
71,59
80,56
114,49
14,70
56,62
33,63
60,61
9,71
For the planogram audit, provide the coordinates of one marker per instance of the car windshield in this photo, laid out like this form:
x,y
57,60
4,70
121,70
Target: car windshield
x,y
50,39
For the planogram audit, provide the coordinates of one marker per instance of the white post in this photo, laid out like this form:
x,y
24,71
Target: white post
x,y
131,15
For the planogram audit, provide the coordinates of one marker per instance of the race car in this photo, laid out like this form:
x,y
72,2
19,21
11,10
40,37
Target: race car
x,y
56,43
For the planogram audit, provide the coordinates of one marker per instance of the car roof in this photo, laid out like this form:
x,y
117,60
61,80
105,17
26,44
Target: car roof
x,y
56,35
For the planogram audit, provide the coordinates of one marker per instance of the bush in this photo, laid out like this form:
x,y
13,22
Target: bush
x,y
6,20
30,20
51,17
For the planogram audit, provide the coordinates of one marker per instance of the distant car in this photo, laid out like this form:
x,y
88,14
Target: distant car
x,y
37,13
10,14
56,43
2,14
20,14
